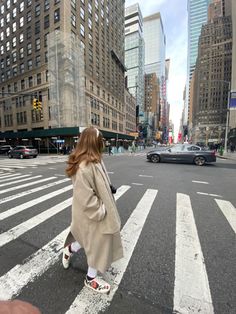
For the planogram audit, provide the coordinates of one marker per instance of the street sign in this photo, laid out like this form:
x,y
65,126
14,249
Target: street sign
x,y
60,141
135,134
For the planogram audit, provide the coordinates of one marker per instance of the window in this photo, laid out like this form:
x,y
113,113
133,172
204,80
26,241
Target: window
x,y
37,61
14,58
22,68
8,31
15,87
73,4
21,38
37,44
46,21
39,80
8,4
2,22
22,6
56,1
90,24
22,84
22,21
14,27
29,17
46,40
7,46
14,71
29,49
37,10
8,17
31,81
29,2
30,64
2,9
2,50
73,20
21,53
90,8
37,27
46,5
82,13
82,29
56,15
2,63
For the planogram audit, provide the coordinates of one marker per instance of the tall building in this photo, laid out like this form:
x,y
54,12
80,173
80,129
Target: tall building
x,y
213,77
197,16
232,118
28,49
155,59
134,55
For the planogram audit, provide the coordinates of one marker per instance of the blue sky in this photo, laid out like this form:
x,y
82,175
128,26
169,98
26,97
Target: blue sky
x,y
174,17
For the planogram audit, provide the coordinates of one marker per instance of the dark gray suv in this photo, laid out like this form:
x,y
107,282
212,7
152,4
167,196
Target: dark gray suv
x,y
4,149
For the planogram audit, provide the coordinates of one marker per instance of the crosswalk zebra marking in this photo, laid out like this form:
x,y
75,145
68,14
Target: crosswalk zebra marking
x,y
10,175
191,291
27,225
35,265
43,187
87,301
209,194
229,212
201,182
19,208
12,178
23,180
25,185
15,166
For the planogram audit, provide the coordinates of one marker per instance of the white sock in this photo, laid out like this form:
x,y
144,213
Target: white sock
x,y
75,246
92,272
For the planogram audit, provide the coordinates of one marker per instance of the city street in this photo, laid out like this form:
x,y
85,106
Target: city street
x,y
178,230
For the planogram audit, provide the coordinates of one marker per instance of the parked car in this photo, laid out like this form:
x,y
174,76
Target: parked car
x,y
23,152
4,149
185,153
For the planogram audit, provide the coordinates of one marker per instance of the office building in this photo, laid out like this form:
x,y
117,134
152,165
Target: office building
x,y
134,56
28,53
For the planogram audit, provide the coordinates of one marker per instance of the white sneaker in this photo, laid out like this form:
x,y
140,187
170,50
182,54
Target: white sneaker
x,y
98,285
66,256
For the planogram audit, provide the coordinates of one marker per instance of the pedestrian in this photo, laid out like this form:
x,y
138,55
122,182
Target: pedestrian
x,y
95,222
110,150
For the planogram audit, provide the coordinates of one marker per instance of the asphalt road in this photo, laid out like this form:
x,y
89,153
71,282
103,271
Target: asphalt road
x,y
184,218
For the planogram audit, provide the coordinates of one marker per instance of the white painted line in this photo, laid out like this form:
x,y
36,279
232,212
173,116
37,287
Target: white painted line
x,y
120,191
202,182
19,181
52,168
13,178
89,302
59,175
10,175
24,185
34,266
137,183
145,176
7,169
43,187
191,291
29,224
13,166
109,172
229,211
215,195
19,208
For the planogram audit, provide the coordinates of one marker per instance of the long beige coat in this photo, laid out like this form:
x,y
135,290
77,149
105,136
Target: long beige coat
x,y
95,219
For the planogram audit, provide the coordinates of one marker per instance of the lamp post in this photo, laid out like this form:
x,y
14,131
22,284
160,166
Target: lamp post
x,y
227,118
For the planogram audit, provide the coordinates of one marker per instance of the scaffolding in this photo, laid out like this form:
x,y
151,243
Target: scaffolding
x,y
67,106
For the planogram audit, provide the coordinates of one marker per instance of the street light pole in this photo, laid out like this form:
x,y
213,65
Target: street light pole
x,y
227,118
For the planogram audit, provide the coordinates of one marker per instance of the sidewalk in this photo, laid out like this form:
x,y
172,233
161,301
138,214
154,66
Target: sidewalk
x,y
228,155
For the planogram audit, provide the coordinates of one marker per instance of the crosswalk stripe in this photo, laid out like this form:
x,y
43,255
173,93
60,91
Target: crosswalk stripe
x,y
27,225
229,212
14,166
87,301
12,178
25,185
19,208
6,169
10,175
35,265
43,187
19,181
191,290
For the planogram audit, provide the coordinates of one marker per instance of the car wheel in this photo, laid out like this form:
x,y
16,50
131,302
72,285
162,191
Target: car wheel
x,y
199,161
155,158
21,156
10,156
35,156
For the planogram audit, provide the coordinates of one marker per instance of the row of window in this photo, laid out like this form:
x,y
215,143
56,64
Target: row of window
x,y
21,118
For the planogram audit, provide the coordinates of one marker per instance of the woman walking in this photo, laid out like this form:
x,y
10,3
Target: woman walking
x,y
95,222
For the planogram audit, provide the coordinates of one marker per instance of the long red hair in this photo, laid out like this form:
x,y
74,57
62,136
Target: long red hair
x,y
89,149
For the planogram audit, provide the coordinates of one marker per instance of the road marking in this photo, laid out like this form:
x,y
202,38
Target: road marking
x,y
19,181
137,183
19,208
27,225
13,178
12,197
229,211
35,265
191,292
59,175
10,175
215,195
87,301
5,167
52,168
202,182
145,176
110,172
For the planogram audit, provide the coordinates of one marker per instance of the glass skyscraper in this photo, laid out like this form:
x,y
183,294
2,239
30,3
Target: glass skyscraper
x,y
134,54
197,16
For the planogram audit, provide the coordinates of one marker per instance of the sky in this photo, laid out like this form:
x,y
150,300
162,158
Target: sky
x,y
174,18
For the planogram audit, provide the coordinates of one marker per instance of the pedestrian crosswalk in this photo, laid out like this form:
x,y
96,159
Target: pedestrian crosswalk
x,y
53,196
12,164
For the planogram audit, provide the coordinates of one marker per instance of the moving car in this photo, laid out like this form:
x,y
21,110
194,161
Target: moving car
x,y
186,153
23,152
4,149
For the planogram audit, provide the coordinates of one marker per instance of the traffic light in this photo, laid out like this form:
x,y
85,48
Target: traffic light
x,y
37,105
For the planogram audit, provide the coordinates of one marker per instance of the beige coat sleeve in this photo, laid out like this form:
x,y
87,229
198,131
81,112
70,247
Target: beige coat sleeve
x,y
87,198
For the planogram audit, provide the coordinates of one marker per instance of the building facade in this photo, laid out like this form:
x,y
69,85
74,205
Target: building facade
x,y
134,55
130,112
212,80
25,28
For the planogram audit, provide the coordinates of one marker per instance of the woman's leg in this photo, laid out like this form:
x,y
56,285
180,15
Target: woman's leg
x,y
94,283
68,251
